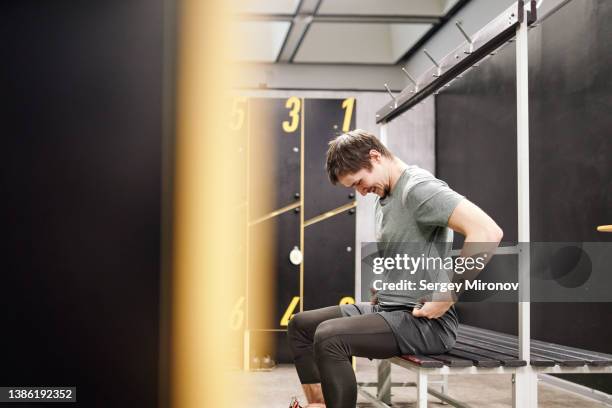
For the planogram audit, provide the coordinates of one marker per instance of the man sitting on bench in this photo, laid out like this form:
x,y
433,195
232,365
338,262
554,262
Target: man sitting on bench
x,y
412,206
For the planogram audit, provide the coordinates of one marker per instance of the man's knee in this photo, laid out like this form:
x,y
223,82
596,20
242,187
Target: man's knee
x,y
325,330
294,325
328,342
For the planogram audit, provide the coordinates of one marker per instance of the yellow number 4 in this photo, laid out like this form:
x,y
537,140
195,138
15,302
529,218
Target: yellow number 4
x,y
294,104
289,312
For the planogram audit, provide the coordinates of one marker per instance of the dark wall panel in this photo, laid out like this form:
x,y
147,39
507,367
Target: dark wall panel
x,y
329,261
571,147
325,119
80,180
570,150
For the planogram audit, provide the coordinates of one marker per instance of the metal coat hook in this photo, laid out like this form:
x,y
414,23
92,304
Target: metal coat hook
x,y
392,96
434,62
414,82
467,37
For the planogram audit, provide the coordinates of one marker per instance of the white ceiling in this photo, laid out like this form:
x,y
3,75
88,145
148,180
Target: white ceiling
x,y
261,40
359,43
333,31
265,6
387,7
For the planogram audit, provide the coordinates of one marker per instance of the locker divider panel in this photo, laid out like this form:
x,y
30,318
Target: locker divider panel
x,y
329,264
274,154
324,120
273,279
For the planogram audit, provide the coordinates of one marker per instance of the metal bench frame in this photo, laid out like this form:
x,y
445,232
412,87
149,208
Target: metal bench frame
x,y
384,384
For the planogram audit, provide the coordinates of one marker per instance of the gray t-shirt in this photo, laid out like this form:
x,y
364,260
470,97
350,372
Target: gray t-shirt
x,y
413,219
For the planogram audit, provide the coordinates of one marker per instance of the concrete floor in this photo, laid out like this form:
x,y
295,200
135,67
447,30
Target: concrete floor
x,y
274,389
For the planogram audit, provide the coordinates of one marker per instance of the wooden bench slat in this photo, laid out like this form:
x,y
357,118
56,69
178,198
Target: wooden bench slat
x,y
591,357
477,360
487,348
452,361
424,361
535,360
535,351
590,360
505,360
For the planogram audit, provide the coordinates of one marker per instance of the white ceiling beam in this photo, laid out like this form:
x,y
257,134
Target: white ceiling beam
x,y
345,18
299,27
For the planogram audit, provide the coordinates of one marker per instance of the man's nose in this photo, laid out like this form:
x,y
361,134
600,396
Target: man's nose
x,y
363,191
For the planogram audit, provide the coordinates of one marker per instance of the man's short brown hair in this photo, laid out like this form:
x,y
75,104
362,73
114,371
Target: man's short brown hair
x,y
350,152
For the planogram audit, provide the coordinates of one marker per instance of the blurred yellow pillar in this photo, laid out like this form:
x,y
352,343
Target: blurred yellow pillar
x,y
205,227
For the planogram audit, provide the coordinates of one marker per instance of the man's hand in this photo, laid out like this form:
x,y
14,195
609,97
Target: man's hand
x,y
373,297
432,310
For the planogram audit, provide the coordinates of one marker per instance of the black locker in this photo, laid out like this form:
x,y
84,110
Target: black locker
x,y
273,279
275,128
325,119
329,260
274,153
81,211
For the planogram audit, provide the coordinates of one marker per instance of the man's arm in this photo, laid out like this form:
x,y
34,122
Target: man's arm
x,y
482,235
470,221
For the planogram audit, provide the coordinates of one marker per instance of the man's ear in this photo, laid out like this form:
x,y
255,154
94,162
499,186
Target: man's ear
x,y
375,155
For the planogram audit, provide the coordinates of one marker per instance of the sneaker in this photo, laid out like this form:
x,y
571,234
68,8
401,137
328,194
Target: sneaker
x,y
294,403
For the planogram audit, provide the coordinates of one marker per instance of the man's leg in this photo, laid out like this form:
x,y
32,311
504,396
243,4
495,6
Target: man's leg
x,y
336,341
301,332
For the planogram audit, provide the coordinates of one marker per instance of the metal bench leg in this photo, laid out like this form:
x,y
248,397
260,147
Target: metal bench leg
x,y
421,384
384,382
525,388
444,387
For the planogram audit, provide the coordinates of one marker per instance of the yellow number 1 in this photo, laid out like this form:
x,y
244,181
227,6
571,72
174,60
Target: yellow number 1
x,y
348,105
294,103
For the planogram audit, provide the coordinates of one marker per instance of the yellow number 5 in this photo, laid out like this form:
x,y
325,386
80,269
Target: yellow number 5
x,y
294,104
238,113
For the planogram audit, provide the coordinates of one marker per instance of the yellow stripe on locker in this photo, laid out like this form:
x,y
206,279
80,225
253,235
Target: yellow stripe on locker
x,y
330,214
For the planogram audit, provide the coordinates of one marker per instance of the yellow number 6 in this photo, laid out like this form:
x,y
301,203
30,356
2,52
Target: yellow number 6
x,y
294,104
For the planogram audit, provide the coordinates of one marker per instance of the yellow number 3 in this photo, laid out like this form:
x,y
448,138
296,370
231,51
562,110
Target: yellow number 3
x,y
294,103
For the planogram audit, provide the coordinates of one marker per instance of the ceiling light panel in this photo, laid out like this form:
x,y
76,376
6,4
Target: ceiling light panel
x,y
384,7
358,43
265,6
259,41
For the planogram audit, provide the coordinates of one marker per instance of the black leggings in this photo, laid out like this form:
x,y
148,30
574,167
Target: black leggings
x,y
322,342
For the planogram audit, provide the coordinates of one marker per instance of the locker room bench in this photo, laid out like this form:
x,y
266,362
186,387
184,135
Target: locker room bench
x,y
480,351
